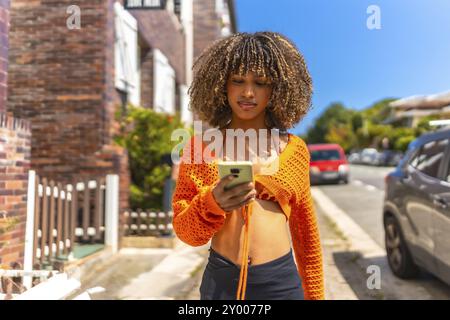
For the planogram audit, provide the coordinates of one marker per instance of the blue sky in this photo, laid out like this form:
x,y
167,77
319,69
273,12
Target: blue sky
x,y
351,64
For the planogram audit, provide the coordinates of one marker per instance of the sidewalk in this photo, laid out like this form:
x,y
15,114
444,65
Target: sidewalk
x,y
146,273
170,278
340,267
175,274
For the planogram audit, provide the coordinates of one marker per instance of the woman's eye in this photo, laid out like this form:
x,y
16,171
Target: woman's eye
x,y
258,83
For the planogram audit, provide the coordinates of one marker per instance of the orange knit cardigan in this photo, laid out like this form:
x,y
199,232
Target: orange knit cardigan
x,y
197,216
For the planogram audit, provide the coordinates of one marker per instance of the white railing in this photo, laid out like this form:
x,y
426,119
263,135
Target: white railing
x,y
56,219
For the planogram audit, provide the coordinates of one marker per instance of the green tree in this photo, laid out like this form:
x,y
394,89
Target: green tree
x,y
342,135
357,121
378,112
424,124
401,137
402,142
365,128
334,116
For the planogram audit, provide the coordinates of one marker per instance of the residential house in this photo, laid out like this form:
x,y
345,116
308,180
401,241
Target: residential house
x,y
410,110
72,66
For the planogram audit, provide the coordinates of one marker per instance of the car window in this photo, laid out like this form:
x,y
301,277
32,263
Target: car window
x,y
320,155
429,157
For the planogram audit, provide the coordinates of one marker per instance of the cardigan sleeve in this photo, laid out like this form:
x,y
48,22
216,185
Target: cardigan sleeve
x,y
196,214
305,234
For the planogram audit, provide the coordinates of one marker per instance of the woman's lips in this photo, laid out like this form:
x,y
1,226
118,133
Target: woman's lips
x,y
247,106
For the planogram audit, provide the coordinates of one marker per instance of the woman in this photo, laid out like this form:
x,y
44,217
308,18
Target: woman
x,y
252,82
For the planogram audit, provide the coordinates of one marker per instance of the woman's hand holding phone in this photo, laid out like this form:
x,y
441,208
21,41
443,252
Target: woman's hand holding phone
x,y
235,197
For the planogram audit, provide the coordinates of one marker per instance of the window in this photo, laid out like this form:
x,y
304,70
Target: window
x,y
324,155
145,4
429,157
126,54
177,7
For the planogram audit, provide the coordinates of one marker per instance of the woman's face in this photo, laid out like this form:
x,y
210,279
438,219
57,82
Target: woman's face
x,y
248,95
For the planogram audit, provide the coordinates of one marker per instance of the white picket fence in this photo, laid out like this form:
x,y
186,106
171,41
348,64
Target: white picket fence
x,y
54,284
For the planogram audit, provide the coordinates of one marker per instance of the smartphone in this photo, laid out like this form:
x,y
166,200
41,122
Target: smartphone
x,y
242,169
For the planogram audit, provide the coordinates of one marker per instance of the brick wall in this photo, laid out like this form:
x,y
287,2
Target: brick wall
x,y
206,25
56,80
62,80
206,29
4,26
146,77
15,137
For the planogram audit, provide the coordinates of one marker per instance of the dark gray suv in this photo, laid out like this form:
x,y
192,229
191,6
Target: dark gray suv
x,y
417,209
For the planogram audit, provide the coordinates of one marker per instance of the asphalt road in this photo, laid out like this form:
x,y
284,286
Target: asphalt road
x,y
362,200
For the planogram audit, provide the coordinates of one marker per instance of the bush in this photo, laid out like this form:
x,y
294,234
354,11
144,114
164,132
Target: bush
x,y
146,135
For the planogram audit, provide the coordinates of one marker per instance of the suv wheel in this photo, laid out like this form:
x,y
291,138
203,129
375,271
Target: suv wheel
x,y
398,255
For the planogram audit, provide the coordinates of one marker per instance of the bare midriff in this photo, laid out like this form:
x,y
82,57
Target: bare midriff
x,y
268,233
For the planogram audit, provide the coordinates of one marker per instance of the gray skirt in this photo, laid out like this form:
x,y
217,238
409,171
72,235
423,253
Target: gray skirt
x,y
274,280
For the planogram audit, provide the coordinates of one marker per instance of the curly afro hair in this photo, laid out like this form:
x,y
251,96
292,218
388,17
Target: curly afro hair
x,y
267,54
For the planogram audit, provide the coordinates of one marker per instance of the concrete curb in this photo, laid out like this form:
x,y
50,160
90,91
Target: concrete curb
x,y
86,268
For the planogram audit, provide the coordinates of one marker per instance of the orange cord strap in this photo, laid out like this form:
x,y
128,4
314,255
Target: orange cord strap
x,y
242,286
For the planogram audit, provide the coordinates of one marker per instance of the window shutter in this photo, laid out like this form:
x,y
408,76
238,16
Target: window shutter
x,y
126,54
164,83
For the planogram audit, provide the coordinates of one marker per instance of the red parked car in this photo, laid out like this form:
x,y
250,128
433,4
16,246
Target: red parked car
x,y
328,163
